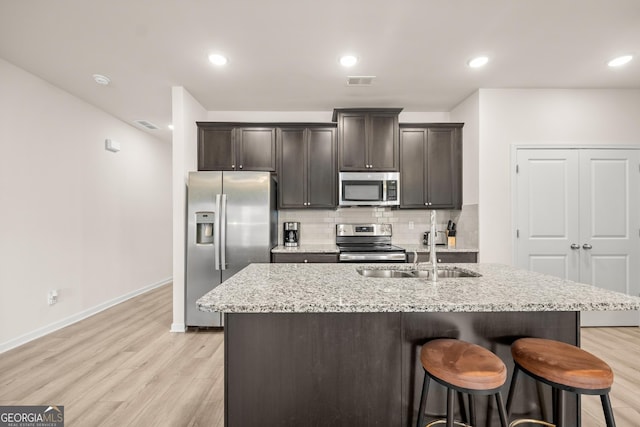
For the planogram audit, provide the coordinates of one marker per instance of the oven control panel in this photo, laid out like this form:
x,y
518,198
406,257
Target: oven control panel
x,y
363,230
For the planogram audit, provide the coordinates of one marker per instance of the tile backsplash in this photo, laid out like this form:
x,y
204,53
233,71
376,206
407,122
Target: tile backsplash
x,y
319,226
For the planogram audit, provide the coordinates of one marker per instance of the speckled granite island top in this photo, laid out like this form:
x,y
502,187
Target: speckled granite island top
x,y
325,288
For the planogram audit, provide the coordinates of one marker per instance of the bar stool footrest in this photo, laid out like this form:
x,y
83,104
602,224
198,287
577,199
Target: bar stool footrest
x,y
530,421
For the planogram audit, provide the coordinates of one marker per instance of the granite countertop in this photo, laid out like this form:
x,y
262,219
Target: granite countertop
x,y
332,248
315,248
264,288
424,248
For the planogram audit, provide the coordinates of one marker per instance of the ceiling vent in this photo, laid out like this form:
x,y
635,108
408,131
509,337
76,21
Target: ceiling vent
x,y
360,80
147,124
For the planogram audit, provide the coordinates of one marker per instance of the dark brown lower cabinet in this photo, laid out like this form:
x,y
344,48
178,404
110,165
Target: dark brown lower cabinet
x,y
447,257
304,257
363,369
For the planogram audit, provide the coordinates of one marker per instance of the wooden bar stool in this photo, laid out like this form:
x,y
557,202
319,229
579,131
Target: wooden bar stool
x,y
565,368
464,368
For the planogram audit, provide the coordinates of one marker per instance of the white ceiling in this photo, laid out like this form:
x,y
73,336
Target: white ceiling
x,y
283,54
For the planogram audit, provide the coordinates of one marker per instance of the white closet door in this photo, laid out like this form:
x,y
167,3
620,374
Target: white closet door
x,y
547,208
609,228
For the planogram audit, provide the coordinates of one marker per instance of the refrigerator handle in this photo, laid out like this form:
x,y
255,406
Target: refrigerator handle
x,y
223,233
216,235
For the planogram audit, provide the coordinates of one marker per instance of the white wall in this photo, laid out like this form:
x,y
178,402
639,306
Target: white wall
x,y
533,116
186,112
467,112
89,223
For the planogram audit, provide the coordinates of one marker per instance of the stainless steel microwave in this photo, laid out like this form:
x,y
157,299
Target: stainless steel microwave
x,y
369,189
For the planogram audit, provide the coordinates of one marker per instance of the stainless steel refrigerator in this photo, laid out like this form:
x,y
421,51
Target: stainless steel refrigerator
x,y
232,222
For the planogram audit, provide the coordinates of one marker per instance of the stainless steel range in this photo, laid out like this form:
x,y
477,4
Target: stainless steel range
x,y
367,243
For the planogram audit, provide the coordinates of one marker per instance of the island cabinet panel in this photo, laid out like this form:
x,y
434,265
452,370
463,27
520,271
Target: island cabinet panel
x,y
233,147
431,166
306,168
368,139
305,257
363,369
290,369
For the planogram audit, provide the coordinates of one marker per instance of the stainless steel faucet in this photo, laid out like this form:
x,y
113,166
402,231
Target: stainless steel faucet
x,y
433,259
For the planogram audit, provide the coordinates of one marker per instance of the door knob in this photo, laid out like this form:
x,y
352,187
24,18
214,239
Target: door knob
x,y
575,246
587,246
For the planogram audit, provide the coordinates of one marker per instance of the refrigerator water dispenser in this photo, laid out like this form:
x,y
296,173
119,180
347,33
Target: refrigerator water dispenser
x,y
204,228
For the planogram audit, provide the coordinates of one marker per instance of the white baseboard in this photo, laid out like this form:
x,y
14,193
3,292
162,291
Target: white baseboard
x,y
40,332
178,327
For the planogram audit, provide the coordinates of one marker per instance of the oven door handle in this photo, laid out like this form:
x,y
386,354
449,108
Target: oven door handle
x,y
372,256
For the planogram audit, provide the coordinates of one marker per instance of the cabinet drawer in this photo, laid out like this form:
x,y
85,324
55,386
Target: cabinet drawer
x,y
304,257
447,257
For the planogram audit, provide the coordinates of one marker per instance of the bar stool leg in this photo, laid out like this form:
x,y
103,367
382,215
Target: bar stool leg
x,y
450,400
512,388
472,410
608,412
560,409
423,400
501,410
463,411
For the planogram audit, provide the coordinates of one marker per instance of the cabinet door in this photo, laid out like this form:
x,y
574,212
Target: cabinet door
x,y
383,142
215,149
321,168
256,149
412,173
304,257
291,173
352,142
444,168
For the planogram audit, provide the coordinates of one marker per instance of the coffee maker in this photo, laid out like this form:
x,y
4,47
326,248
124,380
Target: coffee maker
x,y
291,233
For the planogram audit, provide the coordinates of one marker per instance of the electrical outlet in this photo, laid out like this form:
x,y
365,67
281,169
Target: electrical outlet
x,y
52,297
411,225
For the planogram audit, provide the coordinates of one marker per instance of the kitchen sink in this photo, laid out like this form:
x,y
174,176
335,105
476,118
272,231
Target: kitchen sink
x,y
443,273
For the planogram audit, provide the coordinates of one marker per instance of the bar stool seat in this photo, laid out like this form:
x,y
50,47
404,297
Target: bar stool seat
x,y
565,368
463,367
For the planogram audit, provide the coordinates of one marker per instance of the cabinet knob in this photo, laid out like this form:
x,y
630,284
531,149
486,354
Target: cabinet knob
x,y
233,166
240,166
575,246
306,261
587,246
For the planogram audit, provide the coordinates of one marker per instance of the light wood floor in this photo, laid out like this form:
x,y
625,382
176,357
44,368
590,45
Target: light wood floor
x,y
123,367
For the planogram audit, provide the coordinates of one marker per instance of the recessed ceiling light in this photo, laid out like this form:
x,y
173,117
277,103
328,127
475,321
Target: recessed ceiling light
x,y
170,127
348,60
217,59
620,60
101,80
478,62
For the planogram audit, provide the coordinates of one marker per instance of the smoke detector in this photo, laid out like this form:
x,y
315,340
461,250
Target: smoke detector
x,y
360,80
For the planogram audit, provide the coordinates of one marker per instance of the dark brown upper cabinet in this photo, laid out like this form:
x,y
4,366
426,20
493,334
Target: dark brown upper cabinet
x,y
367,139
431,166
226,147
307,167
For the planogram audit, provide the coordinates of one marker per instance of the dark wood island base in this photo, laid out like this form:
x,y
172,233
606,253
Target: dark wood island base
x,y
363,369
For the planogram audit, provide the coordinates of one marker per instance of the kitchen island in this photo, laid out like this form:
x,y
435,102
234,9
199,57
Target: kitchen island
x,y
320,344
